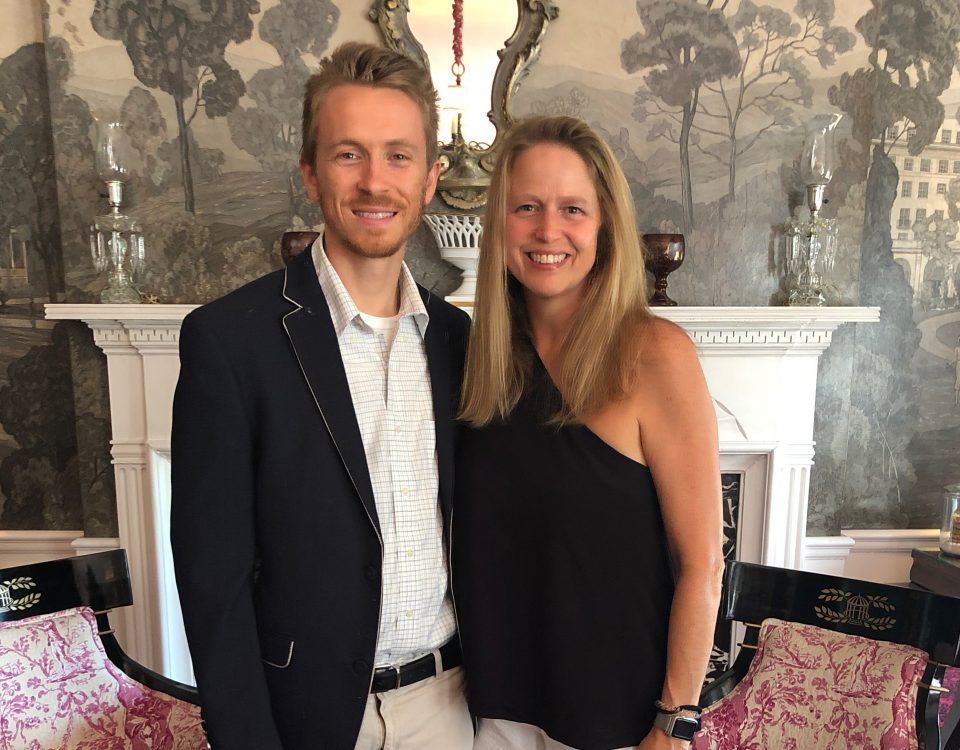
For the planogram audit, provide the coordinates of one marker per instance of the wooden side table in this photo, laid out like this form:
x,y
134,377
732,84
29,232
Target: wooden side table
x,y
936,571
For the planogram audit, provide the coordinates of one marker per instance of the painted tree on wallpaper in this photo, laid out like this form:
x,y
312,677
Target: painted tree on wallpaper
x,y
39,479
91,409
913,51
77,183
178,46
28,178
147,129
772,79
270,131
683,46
54,458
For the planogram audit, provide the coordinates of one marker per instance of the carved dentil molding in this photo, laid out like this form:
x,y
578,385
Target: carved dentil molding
x,y
775,338
155,336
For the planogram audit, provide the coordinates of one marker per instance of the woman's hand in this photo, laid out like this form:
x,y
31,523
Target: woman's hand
x,y
658,740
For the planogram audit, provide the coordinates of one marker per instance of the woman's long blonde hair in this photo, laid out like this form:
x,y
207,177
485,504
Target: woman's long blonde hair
x,y
597,355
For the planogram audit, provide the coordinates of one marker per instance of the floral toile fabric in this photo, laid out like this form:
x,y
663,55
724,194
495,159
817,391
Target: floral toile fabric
x,y
59,690
809,687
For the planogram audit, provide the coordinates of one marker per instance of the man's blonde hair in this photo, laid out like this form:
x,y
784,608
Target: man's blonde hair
x,y
598,354
369,65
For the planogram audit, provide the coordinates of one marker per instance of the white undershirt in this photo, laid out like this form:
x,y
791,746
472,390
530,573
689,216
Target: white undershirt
x,y
387,327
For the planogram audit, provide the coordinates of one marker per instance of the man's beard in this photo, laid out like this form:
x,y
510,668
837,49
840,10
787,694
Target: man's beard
x,y
375,250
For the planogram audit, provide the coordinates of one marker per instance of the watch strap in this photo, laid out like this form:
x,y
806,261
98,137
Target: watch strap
x,y
679,725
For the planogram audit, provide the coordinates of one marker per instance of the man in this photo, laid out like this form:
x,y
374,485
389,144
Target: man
x,y
313,453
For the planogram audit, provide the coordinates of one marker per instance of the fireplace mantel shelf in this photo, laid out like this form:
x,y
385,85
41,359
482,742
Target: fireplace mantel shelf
x,y
747,315
715,330
791,327
760,364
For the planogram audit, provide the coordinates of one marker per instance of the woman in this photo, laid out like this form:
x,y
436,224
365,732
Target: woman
x,y
591,467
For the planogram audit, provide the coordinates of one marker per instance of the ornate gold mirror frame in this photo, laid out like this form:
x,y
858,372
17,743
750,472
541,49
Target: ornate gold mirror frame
x,y
466,167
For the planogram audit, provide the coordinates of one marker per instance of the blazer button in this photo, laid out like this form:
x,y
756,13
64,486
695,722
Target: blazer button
x,y
360,666
371,573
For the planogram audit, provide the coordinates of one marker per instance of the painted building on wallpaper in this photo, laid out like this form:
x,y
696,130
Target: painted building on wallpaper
x,y
15,262
925,240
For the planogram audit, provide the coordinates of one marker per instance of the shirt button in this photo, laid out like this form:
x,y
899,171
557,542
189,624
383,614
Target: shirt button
x,y
409,613
404,491
360,666
397,428
409,553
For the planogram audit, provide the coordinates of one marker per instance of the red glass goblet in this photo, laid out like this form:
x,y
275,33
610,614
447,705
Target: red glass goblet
x,y
664,253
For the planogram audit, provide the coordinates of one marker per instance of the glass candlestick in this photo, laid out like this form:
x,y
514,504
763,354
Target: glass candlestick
x,y
116,243
116,240
811,244
810,253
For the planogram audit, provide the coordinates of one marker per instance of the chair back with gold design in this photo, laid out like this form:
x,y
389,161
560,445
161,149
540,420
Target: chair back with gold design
x,y
829,662
65,681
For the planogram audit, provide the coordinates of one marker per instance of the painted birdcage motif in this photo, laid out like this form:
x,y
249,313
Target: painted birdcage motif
x,y
5,598
858,610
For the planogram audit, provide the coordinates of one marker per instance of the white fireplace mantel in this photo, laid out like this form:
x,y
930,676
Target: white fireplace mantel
x,y
760,364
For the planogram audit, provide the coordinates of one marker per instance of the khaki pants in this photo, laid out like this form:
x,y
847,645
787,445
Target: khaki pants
x,y
429,715
498,734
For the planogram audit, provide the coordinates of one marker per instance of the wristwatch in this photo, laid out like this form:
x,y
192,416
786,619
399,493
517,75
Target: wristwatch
x,y
681,726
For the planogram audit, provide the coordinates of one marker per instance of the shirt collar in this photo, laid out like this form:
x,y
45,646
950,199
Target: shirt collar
x,y
343,310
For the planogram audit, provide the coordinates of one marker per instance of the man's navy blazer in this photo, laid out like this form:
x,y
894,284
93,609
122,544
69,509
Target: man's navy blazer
x,y
275,535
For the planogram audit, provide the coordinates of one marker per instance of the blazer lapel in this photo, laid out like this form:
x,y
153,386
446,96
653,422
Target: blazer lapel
x,y
314,340
437,342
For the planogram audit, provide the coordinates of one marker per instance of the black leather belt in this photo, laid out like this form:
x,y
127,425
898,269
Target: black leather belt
x,y
388,678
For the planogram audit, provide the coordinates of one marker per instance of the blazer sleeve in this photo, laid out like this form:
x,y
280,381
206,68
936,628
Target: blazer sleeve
x,y
214,543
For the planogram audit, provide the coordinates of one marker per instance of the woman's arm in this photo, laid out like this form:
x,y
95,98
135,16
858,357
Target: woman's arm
x,y
678,436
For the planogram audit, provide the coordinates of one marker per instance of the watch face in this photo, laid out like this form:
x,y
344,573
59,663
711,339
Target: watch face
x,y
685,727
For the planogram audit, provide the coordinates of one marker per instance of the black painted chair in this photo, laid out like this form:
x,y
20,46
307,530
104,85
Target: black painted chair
x,y
830,662
64,678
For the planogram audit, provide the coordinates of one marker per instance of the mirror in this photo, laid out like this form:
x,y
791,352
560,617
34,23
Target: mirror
x,y
487,24
425,33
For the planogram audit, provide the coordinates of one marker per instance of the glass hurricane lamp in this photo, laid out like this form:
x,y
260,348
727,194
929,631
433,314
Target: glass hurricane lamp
x,y
116,240
810,244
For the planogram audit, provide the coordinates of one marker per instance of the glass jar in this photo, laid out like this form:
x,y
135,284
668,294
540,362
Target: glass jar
x,y
950,524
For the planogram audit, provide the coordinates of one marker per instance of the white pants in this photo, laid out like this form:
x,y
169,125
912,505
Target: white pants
x,y
498,734
428,715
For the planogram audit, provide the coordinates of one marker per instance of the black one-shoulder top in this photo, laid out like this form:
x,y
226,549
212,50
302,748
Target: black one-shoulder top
x,y
561,577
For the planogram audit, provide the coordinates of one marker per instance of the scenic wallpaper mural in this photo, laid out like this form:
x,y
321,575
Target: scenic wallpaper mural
x,y
706,103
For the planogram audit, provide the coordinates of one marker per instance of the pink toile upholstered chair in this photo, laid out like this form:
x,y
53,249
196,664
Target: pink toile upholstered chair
x,y
831,663
65,683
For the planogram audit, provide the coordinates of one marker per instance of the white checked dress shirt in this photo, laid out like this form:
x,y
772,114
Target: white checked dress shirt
x,y
390,388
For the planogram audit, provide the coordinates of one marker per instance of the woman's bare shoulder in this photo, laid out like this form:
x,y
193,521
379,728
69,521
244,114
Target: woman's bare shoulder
x,y
663,345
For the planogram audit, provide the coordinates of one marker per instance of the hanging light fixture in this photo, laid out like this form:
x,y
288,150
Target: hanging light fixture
x,y
454,99
463,180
